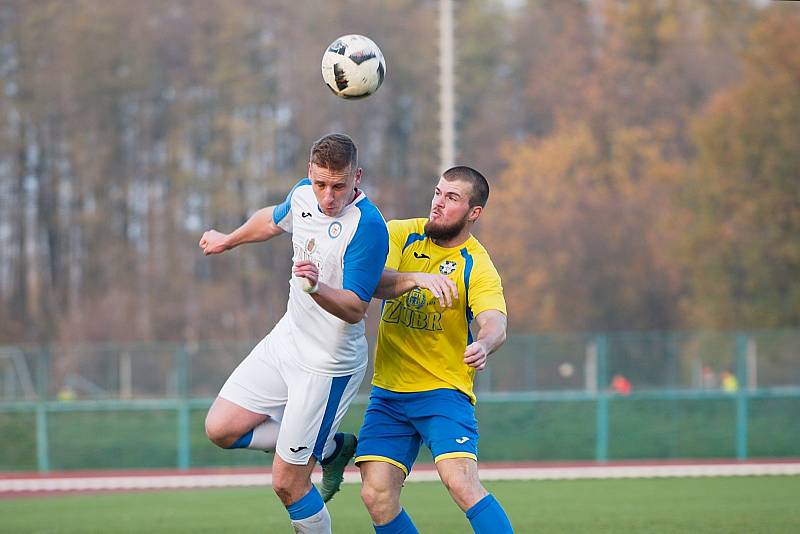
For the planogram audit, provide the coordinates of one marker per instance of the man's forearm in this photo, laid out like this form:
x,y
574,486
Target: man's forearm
x,y
492,333
393,284
492,339
342,303
259,227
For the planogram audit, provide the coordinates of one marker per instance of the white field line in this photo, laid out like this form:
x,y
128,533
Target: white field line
x,y
146,482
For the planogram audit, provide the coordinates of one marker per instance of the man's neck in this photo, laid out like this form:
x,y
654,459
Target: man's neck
x,y
353,196
458,240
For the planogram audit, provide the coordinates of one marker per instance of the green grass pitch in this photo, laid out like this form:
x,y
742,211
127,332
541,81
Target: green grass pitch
x,y
749,505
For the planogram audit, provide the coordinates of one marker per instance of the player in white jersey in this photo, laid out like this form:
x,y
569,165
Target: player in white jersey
x,y
291,392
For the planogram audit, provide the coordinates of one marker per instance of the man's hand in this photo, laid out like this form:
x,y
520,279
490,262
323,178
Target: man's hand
x,y
214,242
443,289
343,303
308,271
476,355
492,334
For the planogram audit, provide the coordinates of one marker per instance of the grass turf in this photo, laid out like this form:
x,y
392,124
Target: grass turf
x,y
750,505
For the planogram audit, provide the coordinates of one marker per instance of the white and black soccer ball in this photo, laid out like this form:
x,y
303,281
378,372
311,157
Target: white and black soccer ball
x,y
353,67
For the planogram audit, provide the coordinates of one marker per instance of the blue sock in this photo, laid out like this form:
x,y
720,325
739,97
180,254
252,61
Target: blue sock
x,y
307,506
401,524
243,441
487,517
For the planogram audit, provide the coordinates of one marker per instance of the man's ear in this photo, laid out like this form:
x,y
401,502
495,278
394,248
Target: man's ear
x,y
474,213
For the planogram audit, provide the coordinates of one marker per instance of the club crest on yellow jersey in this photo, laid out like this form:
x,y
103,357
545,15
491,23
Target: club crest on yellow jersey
x,y
447,267
416,299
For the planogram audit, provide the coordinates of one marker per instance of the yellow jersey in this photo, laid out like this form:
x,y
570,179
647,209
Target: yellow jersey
x,y
421,344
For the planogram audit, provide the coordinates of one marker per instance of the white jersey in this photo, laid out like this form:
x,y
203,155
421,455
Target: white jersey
x,y
350,251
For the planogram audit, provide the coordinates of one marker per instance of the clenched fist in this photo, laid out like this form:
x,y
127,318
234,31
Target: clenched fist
x,y
214,242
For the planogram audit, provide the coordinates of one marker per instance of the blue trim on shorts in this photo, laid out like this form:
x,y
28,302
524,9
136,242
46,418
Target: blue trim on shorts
x,y
338,385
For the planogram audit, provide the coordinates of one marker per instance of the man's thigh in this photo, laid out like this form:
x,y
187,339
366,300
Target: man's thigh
x,y
258,384
315,407
445,418
227,421
387,435
460,476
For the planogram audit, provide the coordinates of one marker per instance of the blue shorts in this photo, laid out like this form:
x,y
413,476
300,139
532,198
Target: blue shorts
x,y
396,423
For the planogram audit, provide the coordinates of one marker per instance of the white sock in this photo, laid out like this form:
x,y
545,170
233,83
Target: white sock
x,y
319,523
265,436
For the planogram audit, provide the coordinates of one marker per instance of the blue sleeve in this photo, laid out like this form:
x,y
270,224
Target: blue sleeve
x,y
282,210
366,254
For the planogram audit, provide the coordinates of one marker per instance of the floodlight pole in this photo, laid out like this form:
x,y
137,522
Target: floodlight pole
x,y
446,93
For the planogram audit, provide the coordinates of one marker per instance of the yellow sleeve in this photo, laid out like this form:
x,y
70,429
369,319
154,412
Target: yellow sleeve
x,y
395,244
399,230
486,289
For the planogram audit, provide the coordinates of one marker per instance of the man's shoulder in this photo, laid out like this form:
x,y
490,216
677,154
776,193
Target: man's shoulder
x,y
481,258
292,202
370,214
476,248
302,194
369,228
300,185
407,226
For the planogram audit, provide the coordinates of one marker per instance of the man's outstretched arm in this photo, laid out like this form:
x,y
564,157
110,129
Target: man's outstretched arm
x,y
259,227
394,283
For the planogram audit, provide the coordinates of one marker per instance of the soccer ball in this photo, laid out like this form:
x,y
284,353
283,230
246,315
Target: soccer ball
x,y
353,67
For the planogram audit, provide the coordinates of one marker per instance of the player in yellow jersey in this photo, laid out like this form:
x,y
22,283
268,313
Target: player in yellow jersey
x,y
438,279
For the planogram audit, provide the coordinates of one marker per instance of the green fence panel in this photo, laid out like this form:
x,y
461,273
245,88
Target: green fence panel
x,y
544,397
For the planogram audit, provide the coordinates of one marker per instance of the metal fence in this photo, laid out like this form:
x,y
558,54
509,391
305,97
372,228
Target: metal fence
x,y
577,396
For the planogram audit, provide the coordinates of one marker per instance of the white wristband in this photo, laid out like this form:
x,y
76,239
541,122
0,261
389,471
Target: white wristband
x,y
308,288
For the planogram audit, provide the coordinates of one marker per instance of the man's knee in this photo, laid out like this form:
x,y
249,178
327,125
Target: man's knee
x,y
459,484
284,489
217,433
381,498
290,485
374,496
464,486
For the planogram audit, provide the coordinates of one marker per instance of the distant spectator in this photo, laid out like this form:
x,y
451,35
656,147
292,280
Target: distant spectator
x,y
729,382
708,377
66,393
621,385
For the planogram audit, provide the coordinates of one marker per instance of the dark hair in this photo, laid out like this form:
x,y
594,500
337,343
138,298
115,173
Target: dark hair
x,y
480,187
335,152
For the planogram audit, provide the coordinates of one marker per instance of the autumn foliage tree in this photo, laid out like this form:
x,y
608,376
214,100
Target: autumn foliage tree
x,y
743,248
642,156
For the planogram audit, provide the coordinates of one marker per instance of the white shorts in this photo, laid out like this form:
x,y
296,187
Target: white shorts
x,y
308,406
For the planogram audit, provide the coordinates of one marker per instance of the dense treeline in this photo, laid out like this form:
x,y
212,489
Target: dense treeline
x,y
644,156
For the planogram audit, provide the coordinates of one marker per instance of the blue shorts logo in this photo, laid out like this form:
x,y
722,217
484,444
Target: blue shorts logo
x,y
335,229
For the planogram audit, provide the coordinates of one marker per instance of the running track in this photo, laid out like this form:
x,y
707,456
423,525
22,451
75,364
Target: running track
x,y
32,484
